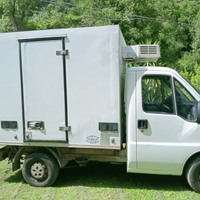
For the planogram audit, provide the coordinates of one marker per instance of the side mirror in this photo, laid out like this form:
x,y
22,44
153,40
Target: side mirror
x,y
198,112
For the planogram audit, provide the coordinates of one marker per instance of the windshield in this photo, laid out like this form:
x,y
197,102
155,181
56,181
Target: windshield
x,y
191,84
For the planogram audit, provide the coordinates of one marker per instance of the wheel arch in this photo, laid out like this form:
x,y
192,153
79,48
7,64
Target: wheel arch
x,y
55,155
190,159
19,153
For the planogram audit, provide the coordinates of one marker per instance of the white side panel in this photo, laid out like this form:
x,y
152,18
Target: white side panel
x,y
93,81
131,125
43,88
10,89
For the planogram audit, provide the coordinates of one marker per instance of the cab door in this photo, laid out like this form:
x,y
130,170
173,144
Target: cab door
x,y
166,123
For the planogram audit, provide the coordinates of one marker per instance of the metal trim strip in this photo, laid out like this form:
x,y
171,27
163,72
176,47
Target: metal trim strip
x,y
46,37
65,87
22,91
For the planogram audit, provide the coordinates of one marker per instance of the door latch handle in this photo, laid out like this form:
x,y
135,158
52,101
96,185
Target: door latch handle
x,y
35,125
143,124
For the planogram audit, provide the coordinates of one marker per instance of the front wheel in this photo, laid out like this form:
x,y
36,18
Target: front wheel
x,y
40,169
193,175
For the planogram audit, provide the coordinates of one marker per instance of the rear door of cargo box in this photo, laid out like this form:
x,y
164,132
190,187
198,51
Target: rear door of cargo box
x,y
43,82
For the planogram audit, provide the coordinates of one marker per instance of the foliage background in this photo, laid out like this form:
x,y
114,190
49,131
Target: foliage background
x,y
174,25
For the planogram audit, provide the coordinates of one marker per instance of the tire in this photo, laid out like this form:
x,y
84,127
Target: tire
x,y
193,175
40,170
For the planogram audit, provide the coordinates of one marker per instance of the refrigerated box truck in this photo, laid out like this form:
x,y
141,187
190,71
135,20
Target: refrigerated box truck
x,y
67,98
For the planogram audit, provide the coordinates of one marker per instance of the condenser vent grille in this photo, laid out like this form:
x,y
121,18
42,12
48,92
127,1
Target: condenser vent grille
x,y
148,50
141,53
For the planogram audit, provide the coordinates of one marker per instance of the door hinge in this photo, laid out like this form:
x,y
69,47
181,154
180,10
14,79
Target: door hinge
x,y
64,52
62,128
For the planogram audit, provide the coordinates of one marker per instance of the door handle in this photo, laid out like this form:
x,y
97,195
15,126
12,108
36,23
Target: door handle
x,y
143,124
35,125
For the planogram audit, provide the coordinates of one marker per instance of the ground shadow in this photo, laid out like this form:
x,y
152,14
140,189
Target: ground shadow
x,y
15,177
115,176
111,176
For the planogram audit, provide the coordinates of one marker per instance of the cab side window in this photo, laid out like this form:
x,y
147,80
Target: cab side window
x,y
157,94
186,103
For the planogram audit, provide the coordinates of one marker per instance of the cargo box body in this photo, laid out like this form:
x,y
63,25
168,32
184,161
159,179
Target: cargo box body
x,y
62,87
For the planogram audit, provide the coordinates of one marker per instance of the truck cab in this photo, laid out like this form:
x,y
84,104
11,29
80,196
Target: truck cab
x,y
162,128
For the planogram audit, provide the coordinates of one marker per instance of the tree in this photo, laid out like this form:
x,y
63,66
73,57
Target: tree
x,y
189,63
17,14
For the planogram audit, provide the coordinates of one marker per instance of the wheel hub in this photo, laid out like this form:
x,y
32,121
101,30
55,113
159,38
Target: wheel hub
x,y
39,171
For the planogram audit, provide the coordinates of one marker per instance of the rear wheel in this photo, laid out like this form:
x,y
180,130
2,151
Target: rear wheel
x,y
193,175
40,169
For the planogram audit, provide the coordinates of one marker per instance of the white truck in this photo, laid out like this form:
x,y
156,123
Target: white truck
x,y
66,100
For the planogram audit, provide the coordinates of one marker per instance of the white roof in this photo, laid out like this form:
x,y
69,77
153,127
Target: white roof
x,y
151,68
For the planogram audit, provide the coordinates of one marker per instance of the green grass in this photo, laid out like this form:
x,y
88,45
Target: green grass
x,y
96,181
